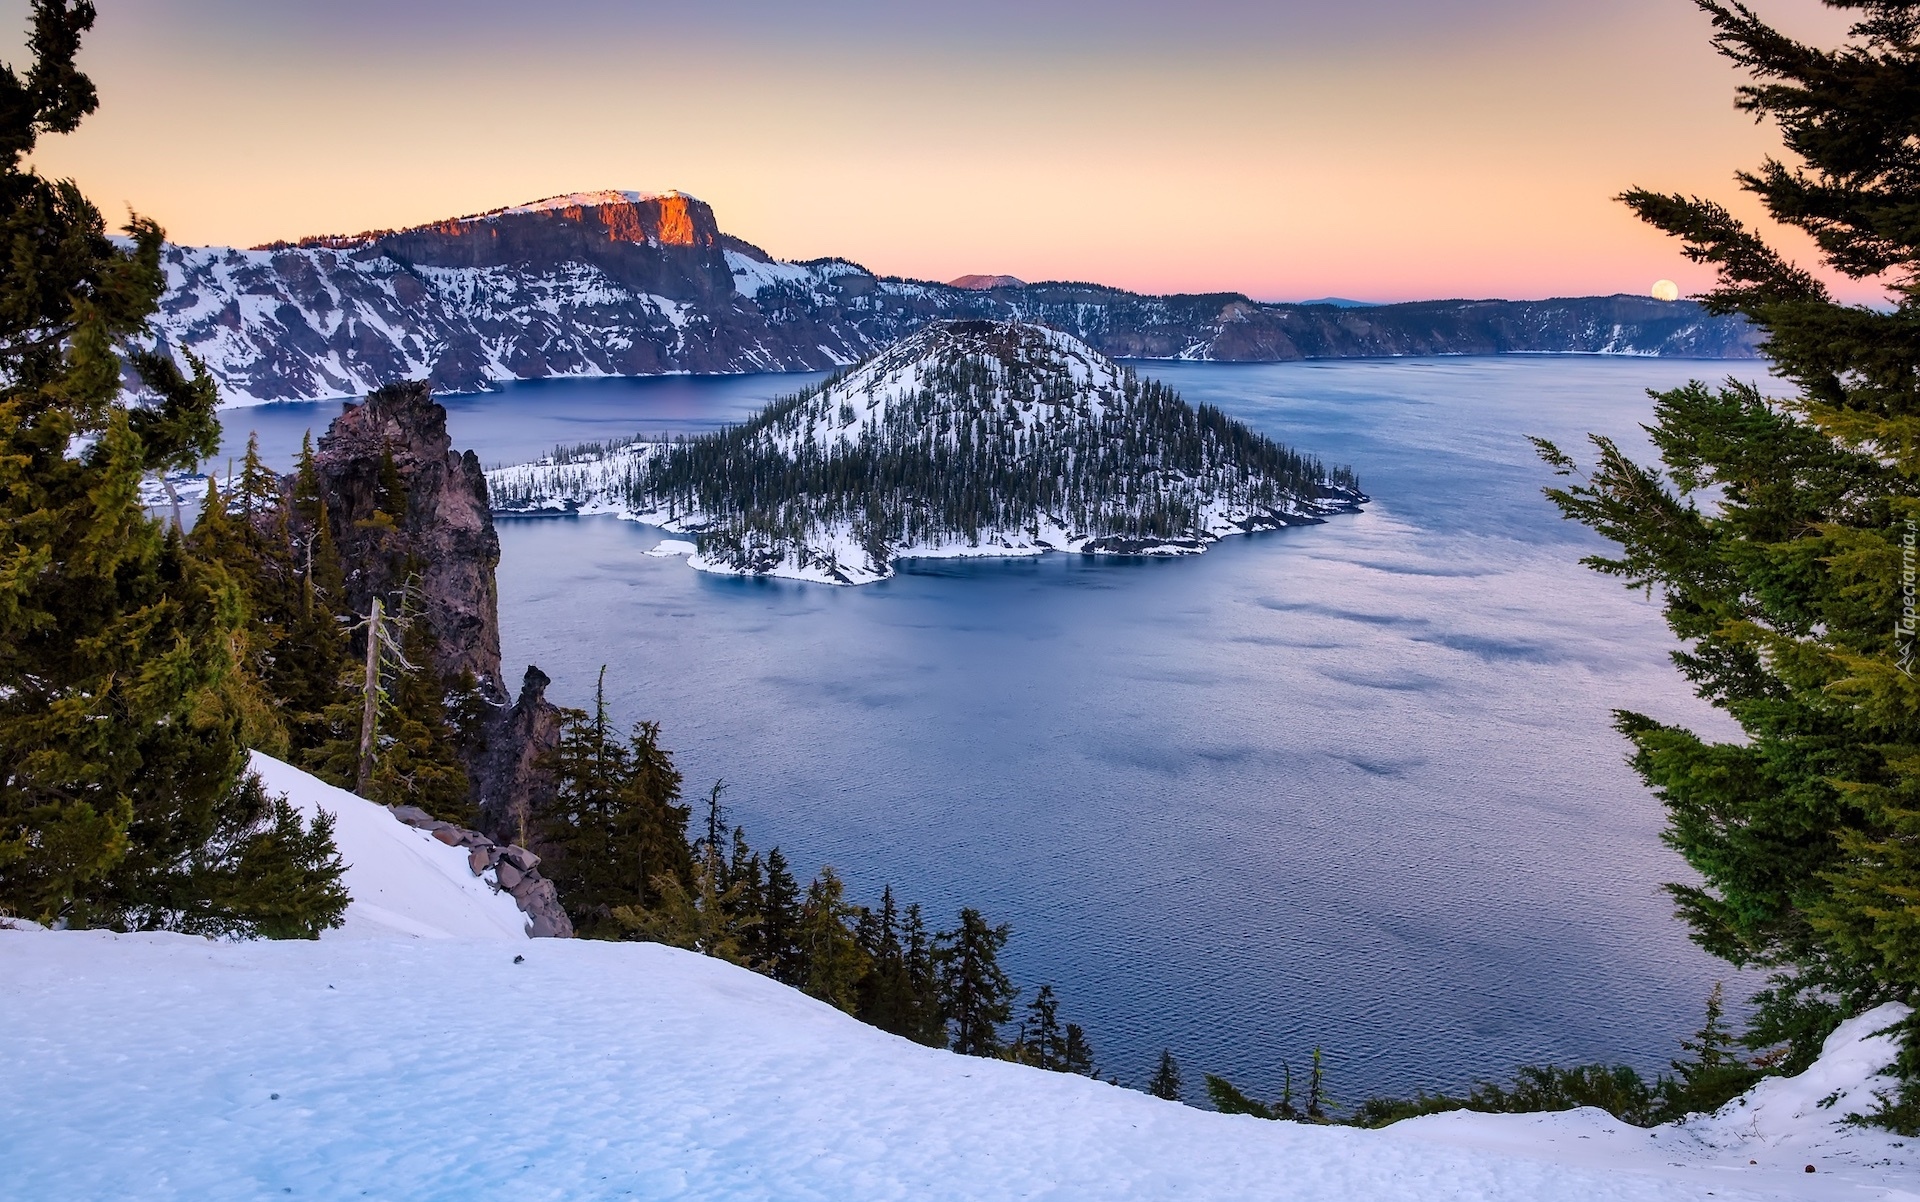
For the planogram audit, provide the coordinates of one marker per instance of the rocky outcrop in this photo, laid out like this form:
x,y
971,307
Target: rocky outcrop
x,y
392,455
620,283
409,514
509,783
515,869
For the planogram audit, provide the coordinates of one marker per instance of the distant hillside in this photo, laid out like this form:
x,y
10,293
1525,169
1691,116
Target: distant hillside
x,y
627,283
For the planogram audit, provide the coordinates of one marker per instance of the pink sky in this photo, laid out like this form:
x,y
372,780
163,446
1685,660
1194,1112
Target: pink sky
x,y
1380,149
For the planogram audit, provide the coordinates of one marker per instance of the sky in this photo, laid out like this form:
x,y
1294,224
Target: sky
x,y
1375,149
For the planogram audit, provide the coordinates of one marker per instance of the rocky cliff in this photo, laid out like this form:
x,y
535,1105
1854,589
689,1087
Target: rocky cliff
x,y
625,283
392,456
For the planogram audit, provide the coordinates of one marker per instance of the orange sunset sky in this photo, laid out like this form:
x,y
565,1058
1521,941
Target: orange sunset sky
x,y
1377,149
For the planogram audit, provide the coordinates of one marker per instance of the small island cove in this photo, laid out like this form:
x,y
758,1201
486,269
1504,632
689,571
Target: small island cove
x,y
967,439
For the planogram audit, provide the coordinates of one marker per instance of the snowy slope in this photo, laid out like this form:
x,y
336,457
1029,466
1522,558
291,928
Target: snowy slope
x,y
403,881
1768,1135
428,1051
169,1067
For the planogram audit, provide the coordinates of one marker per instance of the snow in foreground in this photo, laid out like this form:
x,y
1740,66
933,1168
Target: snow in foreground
x,y
165,1066
416,1054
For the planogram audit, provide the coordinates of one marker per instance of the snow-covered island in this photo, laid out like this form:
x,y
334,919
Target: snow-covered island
x,y
429,1049
969,438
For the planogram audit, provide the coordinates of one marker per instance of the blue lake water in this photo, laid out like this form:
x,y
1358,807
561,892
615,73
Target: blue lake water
x,y
1351,785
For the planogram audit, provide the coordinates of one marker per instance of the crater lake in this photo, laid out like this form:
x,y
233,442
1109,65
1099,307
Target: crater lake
x,y
1351,786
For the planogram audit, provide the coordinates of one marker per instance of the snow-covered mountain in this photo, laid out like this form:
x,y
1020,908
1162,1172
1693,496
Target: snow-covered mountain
x,y
968,438
631,283
426,1051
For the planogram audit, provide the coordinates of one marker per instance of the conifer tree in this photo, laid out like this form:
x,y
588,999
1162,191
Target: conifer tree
x,y
232,531
713,839
1076,1056
1284,1109
1715,1072
705,916
417,762
614,824
312,666
746,872
926,1020
1228,1100
886,992
1040,1042
835,963
780,924
975,993
124,701
1166,1078
1781,537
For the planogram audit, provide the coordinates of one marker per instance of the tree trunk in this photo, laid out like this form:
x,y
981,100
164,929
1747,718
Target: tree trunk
x,y
369,715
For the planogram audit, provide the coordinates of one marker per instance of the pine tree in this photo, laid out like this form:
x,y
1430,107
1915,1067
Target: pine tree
x,y
1284,1109
1716,1072
1166,1078
417,762
780,924
975,993
886,992
124,699
313,662
1780,535
713,839
702,917
746,872
926,1019
614,825
1076,1054
1040,1042
835,963
1228,1100
240,531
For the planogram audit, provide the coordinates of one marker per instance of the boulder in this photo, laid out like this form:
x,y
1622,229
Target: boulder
x,y
540,902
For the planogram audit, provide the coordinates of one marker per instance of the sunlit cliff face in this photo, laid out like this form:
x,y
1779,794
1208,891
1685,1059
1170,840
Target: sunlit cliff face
x,y
667,219
675,223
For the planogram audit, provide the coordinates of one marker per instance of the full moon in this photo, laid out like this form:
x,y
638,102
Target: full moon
x,y
1666,290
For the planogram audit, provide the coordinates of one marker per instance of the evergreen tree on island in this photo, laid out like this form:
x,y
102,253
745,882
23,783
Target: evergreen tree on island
x,y
126,700
1781,536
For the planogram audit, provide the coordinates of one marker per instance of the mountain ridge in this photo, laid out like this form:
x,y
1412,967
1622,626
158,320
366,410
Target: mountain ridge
x,y
629,283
